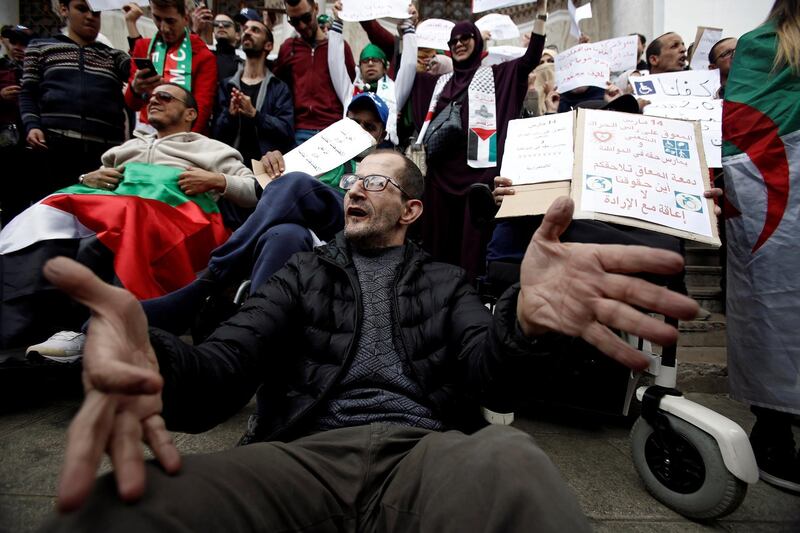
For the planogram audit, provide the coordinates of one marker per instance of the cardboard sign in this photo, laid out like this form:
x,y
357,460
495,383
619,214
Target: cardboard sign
x,y
705,39
539,149
639,171
357,10
705,110
500,26
434,33
338,143
108,5
697,83
479,6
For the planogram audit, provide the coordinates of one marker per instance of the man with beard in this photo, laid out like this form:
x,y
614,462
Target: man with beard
x,y
371,356
666,54
256,114
302,63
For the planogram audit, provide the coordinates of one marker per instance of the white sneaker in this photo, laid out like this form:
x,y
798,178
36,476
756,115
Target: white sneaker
x,y
63,347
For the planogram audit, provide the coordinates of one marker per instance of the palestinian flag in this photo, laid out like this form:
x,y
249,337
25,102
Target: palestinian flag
x,y
156,237
761,160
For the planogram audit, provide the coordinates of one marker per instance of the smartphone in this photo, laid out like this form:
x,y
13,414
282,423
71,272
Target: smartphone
x,y
144,64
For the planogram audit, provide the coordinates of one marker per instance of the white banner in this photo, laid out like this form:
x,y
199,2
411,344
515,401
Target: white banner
x,y
539,149
500,26
434,33
479,6
705,39
108,5
697,83
338,143
357,10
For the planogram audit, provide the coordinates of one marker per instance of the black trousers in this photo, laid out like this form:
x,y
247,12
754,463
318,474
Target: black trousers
x,y
378,477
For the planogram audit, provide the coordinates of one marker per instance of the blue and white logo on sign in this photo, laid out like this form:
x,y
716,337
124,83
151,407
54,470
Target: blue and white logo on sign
x,y
677,148
689,202
598,184
644,88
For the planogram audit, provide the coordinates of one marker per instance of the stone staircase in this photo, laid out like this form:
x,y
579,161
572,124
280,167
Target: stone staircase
x,y
702,364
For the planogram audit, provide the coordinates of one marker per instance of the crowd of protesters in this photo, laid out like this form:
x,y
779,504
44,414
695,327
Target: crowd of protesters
x,y
209,94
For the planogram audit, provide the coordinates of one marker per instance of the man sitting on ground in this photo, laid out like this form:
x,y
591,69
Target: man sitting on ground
x,y
132,230
371,354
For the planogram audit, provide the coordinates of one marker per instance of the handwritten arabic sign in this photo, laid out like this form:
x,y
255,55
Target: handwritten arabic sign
x,y
333,146
108,5
699,83
645,168
706,38
706,110
479,6
580,66
356,10
434,33
500,26
539,149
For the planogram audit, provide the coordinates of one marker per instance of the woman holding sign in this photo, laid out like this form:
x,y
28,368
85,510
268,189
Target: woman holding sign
x,y
761,155
462,118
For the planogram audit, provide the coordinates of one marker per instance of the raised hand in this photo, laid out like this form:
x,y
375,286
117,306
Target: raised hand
x,y
122,405
580,290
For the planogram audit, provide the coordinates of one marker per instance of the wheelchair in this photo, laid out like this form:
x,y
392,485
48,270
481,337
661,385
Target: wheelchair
x,y
692,459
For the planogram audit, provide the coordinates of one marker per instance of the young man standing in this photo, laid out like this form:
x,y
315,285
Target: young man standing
x,y
303,64
178,57
256,107
71,98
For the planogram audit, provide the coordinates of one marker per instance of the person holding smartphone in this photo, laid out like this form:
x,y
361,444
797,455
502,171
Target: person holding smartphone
x,y
177,56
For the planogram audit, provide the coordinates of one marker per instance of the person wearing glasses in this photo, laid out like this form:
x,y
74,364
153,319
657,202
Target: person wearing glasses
x,y
462,119
178,56
721,57
303,64
211,170
371,359
227,37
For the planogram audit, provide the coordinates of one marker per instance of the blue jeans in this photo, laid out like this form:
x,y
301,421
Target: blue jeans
x,y
301,136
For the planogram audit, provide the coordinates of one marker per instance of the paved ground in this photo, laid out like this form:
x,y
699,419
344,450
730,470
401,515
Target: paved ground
x,y
592,452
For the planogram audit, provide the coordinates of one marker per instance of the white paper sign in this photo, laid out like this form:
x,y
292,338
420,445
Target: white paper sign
x,y
108,5
479,6
333,146
500,26
706,110
434,33
645,168
574,29
539,149
357,10
621,53
580,66
583,12
698,83
501,54
705,40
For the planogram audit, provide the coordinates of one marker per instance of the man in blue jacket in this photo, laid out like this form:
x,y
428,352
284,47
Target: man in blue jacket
x,y
257,114
368,351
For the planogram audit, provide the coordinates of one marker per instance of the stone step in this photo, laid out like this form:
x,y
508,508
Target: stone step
x,y
709,298
707,333
703,275
701,254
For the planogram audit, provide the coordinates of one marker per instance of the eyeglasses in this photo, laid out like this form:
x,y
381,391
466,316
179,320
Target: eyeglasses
x,y
373,182
368,60
305,18
163,97
223,24
727,53
463,39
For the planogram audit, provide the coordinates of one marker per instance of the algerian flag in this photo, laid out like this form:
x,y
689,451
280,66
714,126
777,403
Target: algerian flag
x,y
761,159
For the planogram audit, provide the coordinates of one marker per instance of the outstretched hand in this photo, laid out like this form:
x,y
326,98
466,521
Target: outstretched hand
x,y
122,405
581,290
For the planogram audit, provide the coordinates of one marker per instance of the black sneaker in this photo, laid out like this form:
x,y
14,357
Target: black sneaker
x,y
774,449
782,475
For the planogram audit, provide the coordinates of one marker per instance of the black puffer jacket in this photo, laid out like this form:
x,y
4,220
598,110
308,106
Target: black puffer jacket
x,y
296,335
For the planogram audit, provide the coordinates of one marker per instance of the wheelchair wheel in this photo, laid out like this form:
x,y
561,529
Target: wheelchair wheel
x,y
685,471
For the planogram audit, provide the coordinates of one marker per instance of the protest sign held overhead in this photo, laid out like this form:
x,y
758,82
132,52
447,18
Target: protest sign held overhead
x,y
434,33
357,10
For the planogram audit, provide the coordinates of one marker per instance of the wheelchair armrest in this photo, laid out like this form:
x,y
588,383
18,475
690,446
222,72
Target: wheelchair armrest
x,y
482,208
